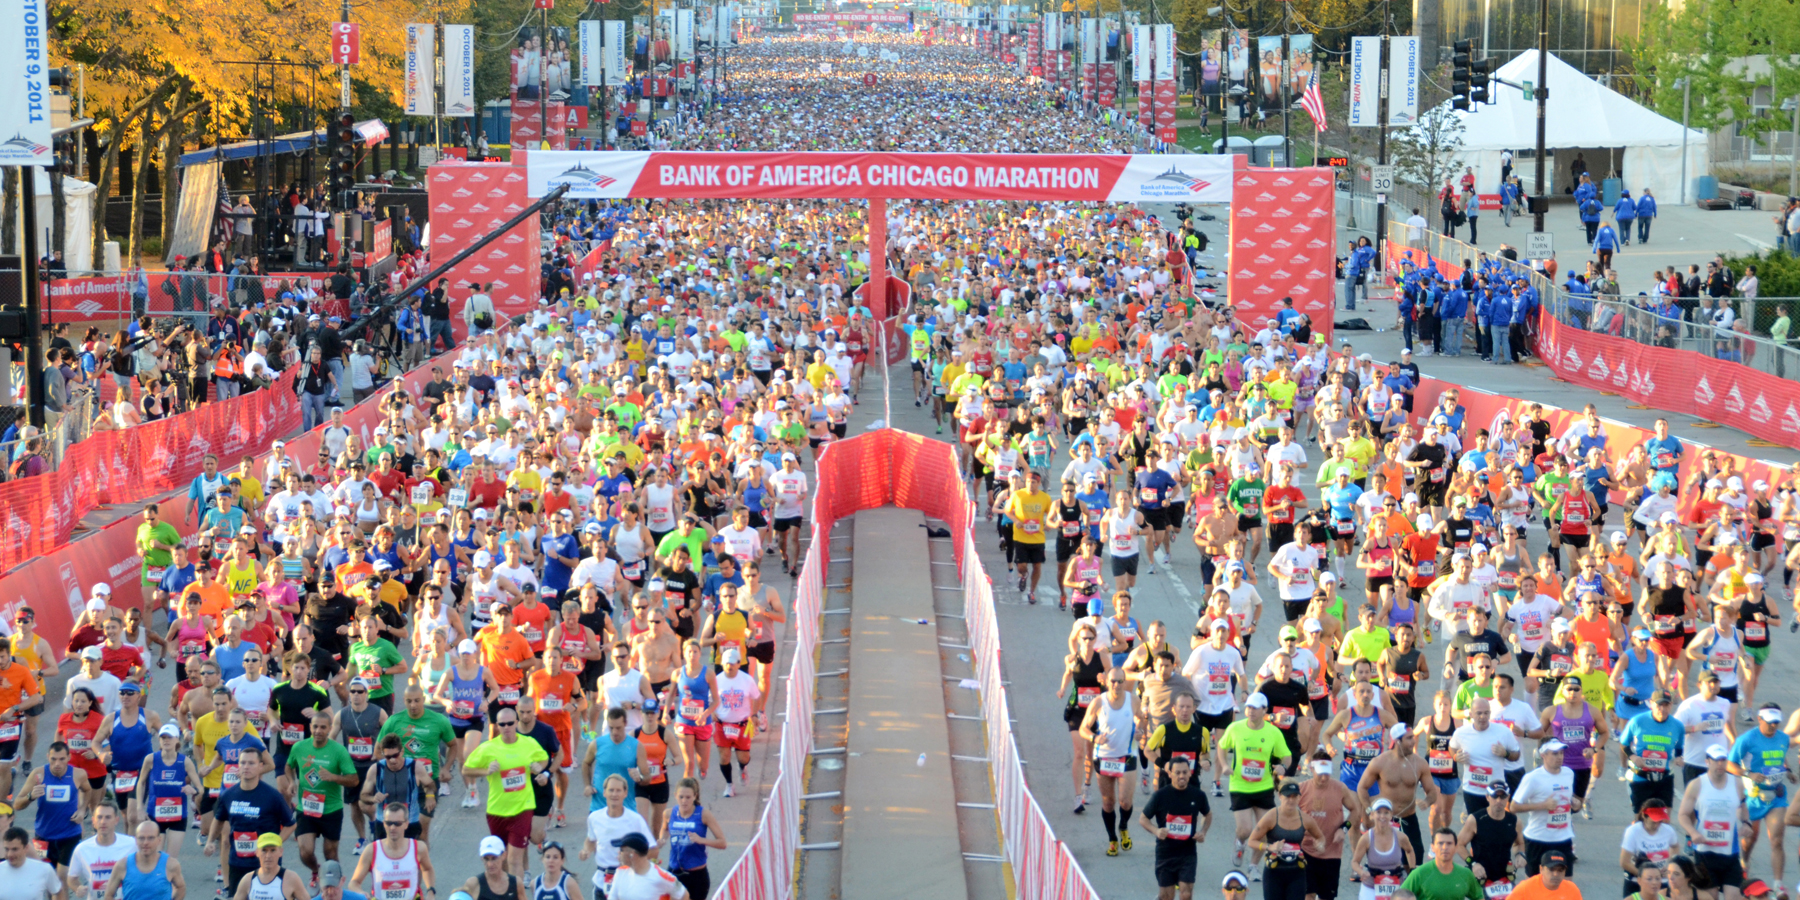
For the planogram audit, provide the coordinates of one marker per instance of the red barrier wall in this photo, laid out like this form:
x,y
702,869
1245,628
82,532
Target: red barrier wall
x,y
1283,236
120,467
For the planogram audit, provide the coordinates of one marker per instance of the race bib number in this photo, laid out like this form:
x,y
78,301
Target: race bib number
x,y
692,710
1442,763
312,804
1756,631
362,748
513,780
732,730
124,782
243,843
1283,716
461,709
1574,734
230,778
1032,526
1254,770
532,634
291,734
9,731
550,704
1497,890
1427,568
1399,684
1437,475
1715,833
396,889
1386,885
78,745
1071,529
1480,776
155,573
57,793
1180,827
1653,761
1113,766
509,694
1559,816
1666,625
1086,695
168,809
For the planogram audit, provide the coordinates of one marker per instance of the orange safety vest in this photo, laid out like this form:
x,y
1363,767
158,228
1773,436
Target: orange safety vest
x,y
225,365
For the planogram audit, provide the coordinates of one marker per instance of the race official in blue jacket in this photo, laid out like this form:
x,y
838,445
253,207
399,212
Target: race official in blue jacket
x,y
1646,210
1625,211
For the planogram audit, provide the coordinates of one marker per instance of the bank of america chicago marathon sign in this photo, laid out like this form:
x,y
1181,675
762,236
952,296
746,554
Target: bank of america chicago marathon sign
x,y
925,176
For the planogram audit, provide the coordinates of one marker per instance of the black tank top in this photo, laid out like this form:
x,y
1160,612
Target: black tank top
x,y
487,893
1400,687
1461,531
1492,846
1669,601
1440,751
1068,514
1754,620
1293,836
1087,675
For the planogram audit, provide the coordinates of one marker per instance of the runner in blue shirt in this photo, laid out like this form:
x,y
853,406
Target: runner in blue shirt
x,y
1760,757
1651,743
1664,449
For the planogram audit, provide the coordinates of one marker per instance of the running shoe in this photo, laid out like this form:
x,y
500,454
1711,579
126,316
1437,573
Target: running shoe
x,y
1124,839
1062,601
1587,811
916,402
313,887
1081,806
1256,874
218,876
1021,581
469,801
562,821
1112,848
1237,862
728,792
1219,792
443,789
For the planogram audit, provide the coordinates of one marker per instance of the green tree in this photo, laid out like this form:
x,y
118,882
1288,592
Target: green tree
x,y
1426,153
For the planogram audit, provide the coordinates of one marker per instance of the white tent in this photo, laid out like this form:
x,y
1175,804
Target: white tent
x,y
1612,131
78,228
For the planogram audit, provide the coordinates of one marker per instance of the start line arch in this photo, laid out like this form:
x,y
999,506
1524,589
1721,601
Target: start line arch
x,y
1282,231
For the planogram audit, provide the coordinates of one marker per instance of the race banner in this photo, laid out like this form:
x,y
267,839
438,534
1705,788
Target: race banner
x,y
421,49
459,71
614,65
25,106
1198,178
592,52
684,34
1268,73
1090,42
1165,52
856,17
1300,65
1403,80
1283,234
1237,58
1365,82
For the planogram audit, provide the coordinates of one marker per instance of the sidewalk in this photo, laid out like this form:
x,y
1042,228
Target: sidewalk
x,y
1681,236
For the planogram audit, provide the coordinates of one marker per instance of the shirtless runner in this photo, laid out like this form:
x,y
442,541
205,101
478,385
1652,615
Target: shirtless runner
x,y
1399,773
655,647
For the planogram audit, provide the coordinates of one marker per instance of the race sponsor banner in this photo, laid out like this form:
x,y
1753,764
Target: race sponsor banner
x,y
1146,105
137,464
1108,87
1300,65
1365,81
99,298
684,34
1237,58
530,130
25,85
1682,381
421,51
960,176
1403,80
1268,73
592,52
1088,86
1164,45
613,56
1283,231
469,200
1140,53
459,71
1168,102
855,17
1090,43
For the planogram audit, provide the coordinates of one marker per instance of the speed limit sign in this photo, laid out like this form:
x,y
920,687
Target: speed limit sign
x,y
1381,179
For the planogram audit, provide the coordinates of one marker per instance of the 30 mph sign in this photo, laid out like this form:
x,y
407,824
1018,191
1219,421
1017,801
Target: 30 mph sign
x,y
1381,179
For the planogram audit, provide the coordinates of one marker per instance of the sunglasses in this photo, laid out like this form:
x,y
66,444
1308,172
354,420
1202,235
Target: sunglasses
x,y
508,724
358,691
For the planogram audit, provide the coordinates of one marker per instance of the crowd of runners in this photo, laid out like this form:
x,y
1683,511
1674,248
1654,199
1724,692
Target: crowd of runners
x,y
559,570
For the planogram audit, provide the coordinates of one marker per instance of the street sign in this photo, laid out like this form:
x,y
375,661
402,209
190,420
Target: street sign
x,y
1528,95
346,43
1538,246
1381,179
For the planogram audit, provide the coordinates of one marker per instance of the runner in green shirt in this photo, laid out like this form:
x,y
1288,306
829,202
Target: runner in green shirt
x,y
510,766
376,660
424,733
320,768
1442,878
1254,744
156,541
1366,641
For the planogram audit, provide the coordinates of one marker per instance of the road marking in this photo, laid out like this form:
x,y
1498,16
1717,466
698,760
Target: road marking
x,y
1181,588
1758,243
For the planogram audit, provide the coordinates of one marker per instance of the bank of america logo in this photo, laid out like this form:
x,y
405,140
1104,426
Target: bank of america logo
x,y
22,142
580,175
1176,176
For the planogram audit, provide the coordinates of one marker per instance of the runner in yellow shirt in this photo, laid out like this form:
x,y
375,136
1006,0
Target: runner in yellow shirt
x,y
1028,508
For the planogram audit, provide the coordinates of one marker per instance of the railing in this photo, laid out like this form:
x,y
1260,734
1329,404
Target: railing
x,y
1626,317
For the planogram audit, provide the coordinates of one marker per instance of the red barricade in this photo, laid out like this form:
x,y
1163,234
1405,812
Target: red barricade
x,y
1682,381
120,467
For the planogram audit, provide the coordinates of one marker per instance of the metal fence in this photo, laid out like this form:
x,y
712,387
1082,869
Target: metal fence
x,y
1629,318
75,424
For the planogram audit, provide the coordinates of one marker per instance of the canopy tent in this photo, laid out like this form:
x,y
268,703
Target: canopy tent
x,y
1582,114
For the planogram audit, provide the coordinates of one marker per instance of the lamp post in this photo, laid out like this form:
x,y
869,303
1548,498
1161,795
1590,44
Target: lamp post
x,y
1791,105
1687,92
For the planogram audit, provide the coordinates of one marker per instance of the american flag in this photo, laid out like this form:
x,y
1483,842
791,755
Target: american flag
x,y
227,224
1314,102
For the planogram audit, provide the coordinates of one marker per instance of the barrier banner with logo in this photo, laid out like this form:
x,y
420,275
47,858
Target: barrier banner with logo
x,y
119,467
1682,381
943,176
469,200
1283,232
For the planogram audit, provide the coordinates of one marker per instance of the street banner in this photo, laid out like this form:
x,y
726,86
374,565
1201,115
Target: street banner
x,y
1090,42
1403,80
346,43
1052,34
1237,58
615,58
1165,52
421,92
684,34
1365,82
1300,65
1140,52
1268,73
1197,178
591,54
459,71
25,105
1212,55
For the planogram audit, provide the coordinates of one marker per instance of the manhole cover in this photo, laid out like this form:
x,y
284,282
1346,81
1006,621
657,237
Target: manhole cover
x,y
829,765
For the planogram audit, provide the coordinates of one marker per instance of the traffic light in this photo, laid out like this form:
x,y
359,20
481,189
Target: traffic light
x,y
343,154
1459,75
1481,74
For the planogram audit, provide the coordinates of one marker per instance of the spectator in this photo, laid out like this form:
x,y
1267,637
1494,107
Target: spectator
x,y
1749,285
56,387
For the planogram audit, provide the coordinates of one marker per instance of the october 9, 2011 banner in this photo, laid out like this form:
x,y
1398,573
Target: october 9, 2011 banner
x,y
421,51
1195,178
459,71
1403,80
24,86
